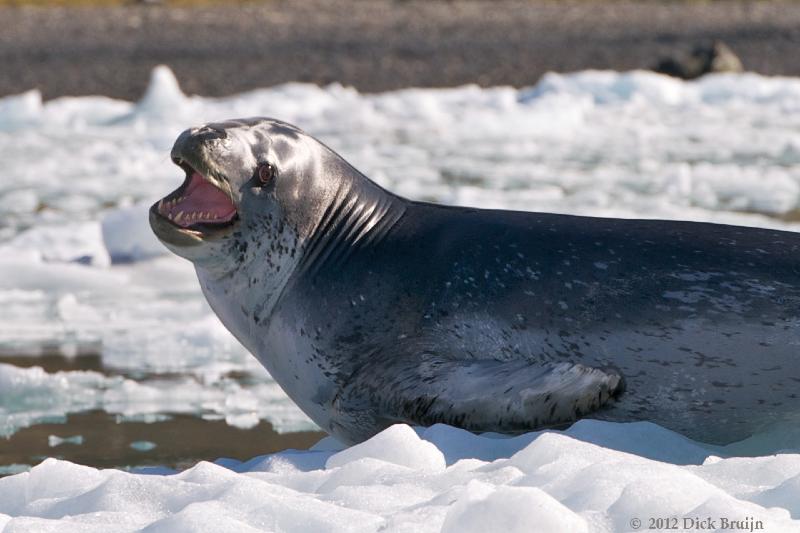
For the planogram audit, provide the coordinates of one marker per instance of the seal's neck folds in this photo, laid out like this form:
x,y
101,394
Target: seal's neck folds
x,y
360,214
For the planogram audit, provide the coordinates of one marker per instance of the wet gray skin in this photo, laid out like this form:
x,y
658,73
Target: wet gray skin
x,y
370,309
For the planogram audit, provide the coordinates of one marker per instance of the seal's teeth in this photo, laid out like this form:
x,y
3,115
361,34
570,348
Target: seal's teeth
x,y
169,215
179,216
161,205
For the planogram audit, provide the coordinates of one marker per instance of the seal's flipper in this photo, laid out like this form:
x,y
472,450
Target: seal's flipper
x,y
480,395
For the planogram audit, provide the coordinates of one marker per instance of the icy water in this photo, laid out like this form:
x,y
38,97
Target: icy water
x,y
109,356
99,439
161,437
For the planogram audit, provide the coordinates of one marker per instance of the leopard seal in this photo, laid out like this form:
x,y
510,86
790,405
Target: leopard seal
x,y
370,309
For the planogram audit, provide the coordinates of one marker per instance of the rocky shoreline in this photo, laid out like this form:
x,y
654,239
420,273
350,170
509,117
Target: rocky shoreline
x,y
374,45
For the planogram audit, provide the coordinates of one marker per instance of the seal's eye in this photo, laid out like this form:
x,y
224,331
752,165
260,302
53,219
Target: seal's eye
x,y
265,172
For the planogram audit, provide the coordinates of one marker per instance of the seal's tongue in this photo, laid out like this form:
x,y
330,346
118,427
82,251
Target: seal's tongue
x,y
199,203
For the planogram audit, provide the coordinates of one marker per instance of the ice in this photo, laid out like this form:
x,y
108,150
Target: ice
x,y
55,440
383,447
127,235
547,481
69,243
20,110
163,95
30,395
143,445
513,509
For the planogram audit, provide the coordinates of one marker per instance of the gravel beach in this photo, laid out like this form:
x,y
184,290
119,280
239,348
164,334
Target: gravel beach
x,y
374,45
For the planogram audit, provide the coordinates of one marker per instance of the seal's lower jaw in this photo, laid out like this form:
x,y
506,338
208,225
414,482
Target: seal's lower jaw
x,y
195,212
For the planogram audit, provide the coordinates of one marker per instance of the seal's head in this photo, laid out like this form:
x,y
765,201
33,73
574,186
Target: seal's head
x,y
250,181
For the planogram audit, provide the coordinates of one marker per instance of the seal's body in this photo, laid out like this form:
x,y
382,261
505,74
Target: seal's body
x,y
370,309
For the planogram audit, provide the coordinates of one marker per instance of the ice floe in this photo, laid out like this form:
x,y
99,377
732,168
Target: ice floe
x,y
435,479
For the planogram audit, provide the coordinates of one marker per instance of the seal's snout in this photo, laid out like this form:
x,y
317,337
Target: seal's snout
x,y
197,141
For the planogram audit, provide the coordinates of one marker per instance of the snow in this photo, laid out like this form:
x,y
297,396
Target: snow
x,y
80,273
434,479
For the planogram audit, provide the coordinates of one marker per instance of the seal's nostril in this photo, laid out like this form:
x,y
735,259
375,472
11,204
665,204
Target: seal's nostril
x,y
212,131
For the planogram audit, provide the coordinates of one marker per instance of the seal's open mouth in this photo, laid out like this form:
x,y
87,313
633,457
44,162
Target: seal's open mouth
x,y
199,205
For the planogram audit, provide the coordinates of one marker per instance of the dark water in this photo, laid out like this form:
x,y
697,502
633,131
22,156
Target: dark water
x,y
180,442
